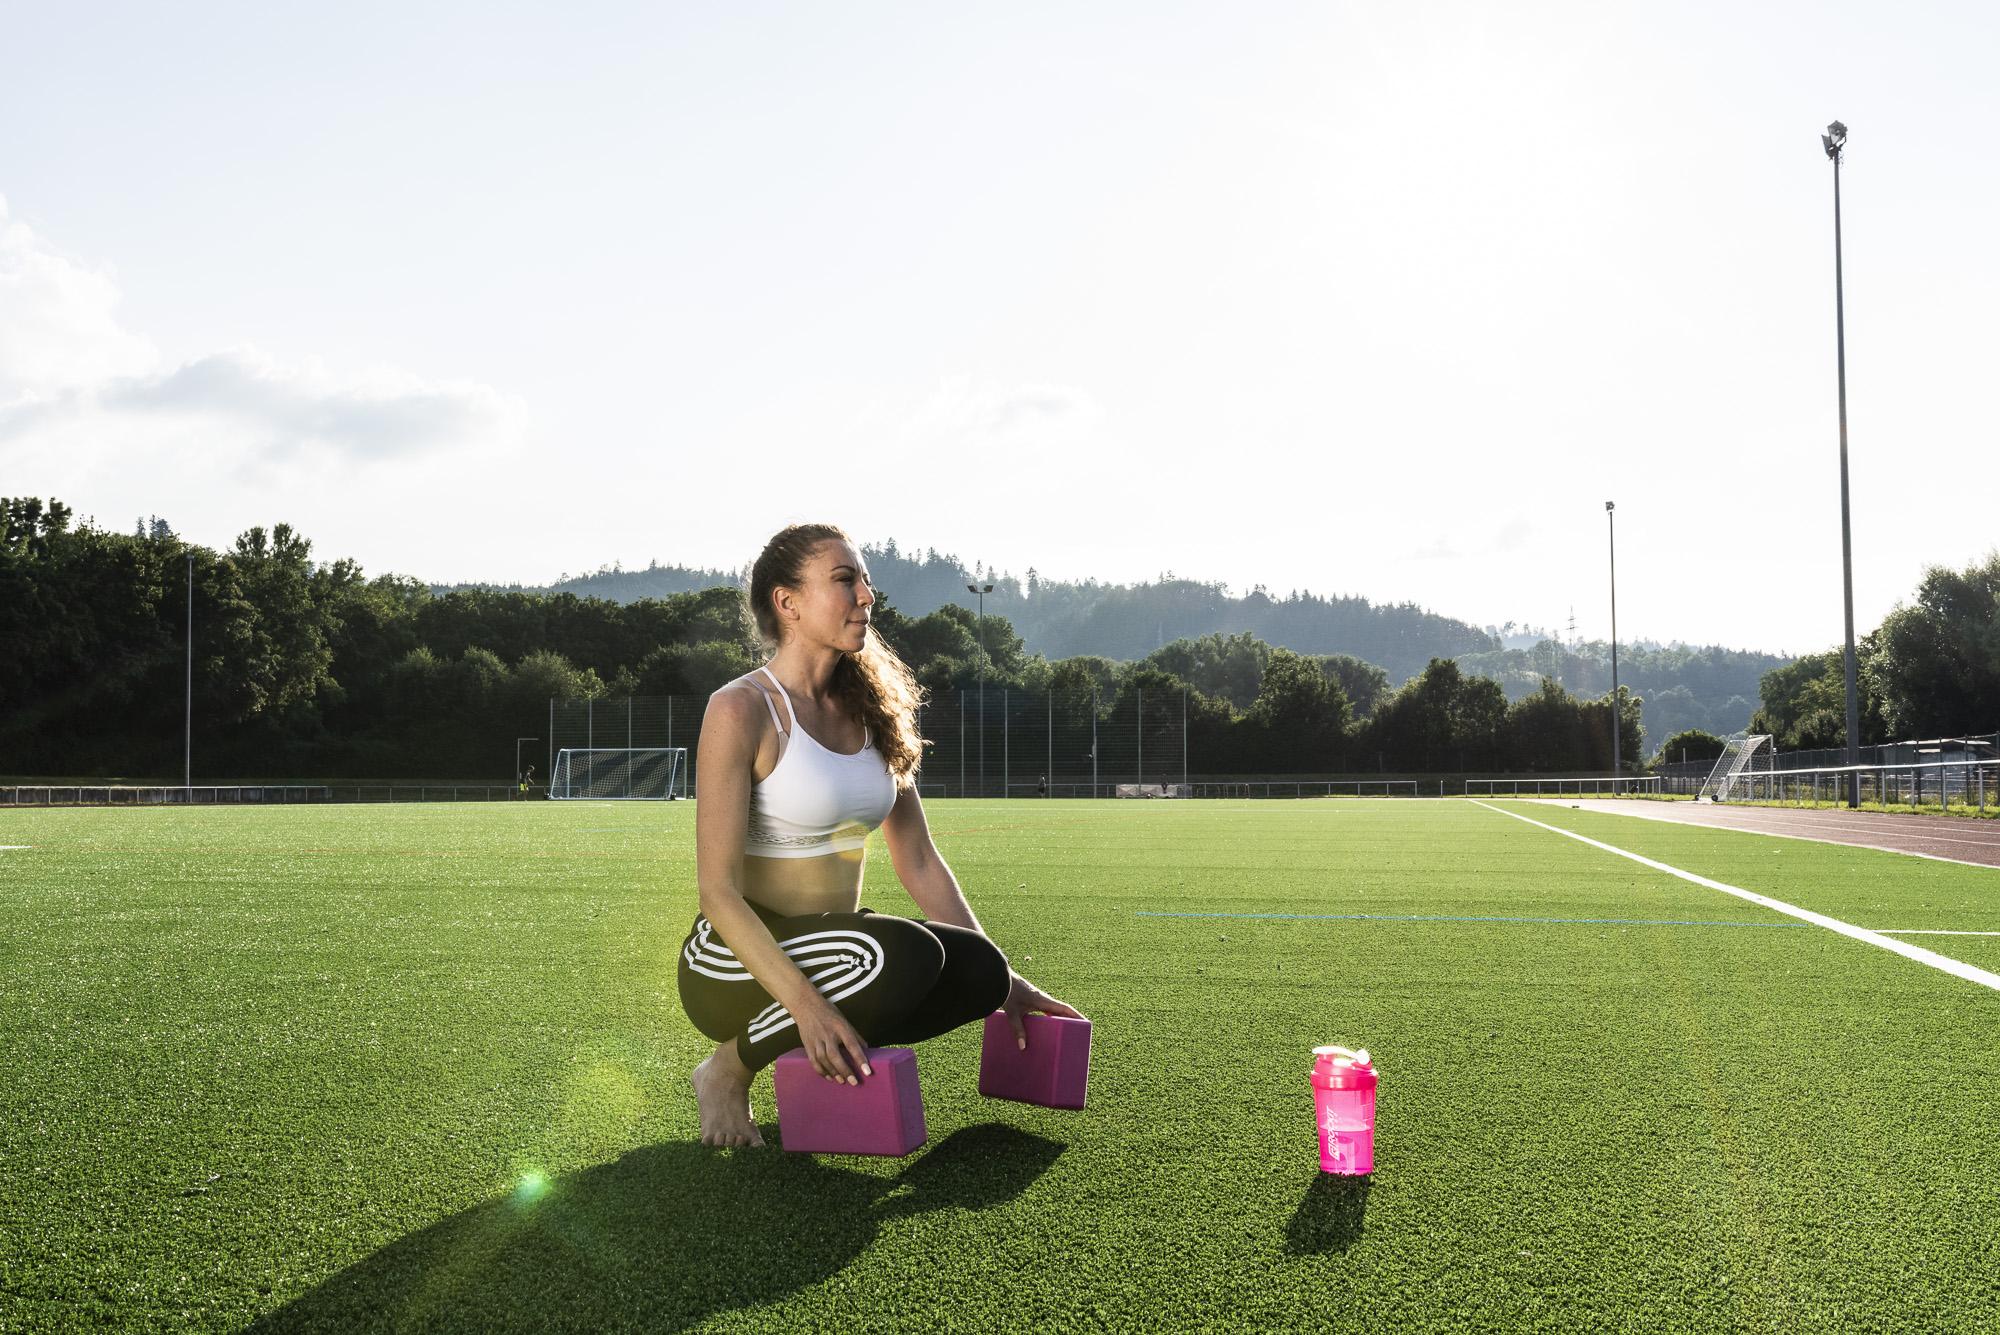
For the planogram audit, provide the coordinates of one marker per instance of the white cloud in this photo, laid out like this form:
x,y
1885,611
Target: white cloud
x,y
81,394
59,326
284,409
965,411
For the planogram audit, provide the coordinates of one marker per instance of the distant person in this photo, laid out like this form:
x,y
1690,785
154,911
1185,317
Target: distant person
x,y
527,784
799,761
1042,786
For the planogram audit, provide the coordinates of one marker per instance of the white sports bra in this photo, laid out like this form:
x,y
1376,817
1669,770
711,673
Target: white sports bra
x,y
815,801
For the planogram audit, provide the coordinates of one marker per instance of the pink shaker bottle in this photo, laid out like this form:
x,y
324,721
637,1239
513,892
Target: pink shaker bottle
x,y
1344,1105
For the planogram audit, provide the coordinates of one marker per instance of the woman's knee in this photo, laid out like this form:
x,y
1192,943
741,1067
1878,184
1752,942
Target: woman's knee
x,y
975,969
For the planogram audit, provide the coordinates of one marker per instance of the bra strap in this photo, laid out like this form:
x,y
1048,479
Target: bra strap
x,y
769,704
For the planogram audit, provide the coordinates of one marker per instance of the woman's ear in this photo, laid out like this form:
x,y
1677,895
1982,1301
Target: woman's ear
x,y
783,604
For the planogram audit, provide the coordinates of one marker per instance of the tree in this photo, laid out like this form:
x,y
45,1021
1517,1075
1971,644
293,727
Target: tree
x,y
1692,745
1085,672
1935,665
1302,714
1230,667
1545,732
1804,703
1364,684
1441,719
1597,730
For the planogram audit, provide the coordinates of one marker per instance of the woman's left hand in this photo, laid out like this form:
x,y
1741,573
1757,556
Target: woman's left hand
x,y
1024,998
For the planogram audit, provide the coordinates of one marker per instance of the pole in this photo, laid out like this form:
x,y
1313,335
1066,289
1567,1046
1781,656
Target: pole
x,y
1139,730
187,737
982,592
1052,738
982,695
1835,140
1184,737
1617,705
1006,759
1093,742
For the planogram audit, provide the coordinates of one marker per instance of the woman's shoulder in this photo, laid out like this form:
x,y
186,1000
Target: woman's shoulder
x,y
740,701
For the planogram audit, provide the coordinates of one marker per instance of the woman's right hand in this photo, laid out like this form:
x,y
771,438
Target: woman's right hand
x,y
831,1043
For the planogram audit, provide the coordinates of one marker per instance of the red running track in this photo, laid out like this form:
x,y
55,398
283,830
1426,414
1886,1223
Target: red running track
x,y
1949,838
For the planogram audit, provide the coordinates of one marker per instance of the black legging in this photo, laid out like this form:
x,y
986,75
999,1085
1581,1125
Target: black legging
x,y
897,980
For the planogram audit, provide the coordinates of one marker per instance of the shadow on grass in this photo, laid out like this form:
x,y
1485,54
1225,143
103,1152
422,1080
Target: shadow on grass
x,y
658,1240
1330,1218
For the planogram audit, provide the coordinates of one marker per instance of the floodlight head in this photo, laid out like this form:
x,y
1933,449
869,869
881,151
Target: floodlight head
x,y
987,589
972,588
1835,139
1611,505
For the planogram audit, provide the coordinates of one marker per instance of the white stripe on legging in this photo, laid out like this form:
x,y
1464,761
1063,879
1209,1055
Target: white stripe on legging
x,y
843,978
844,975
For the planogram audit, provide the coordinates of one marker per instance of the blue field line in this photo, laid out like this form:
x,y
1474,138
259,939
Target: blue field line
x,y
1404,917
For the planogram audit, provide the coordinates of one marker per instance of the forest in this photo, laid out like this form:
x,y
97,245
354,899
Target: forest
x,y
307,668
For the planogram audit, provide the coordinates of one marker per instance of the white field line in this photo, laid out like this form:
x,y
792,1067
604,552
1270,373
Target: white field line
x,y
1612,810
4,848
1928,931
1889,943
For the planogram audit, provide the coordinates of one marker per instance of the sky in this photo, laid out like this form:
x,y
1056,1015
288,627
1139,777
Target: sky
x,y
1378,299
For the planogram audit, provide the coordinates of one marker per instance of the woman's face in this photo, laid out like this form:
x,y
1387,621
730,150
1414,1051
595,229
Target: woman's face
x,y
830,606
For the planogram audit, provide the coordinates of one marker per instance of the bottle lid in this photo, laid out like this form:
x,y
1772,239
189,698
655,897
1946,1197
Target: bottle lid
x,y
1342,1068
1334,1056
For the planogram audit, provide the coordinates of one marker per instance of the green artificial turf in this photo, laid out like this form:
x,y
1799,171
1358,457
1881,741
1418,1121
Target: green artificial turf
x,y
423,1068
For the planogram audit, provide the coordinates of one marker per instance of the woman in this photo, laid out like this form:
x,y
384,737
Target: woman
x,y
799,760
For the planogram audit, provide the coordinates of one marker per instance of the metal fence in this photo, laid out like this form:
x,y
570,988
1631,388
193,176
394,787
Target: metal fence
x,y
1027,744
1079,743
1941,772
1604,786
269,795
119,795
1942,784
996,743
626,721
1304,788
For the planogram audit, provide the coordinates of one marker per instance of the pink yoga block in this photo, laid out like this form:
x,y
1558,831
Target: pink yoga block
x,y
884,1114
1055,1070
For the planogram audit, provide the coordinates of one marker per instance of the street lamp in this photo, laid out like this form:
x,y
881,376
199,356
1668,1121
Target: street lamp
x,y
982,592
1617,705
1835,142
187,733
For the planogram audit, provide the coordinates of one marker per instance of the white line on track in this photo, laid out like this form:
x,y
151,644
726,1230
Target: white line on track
x,y
1928,931
1889,943
1779,834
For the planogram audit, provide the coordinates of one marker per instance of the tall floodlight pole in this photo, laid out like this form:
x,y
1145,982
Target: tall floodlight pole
x,y
187,716
982,592
1835,142
1617,705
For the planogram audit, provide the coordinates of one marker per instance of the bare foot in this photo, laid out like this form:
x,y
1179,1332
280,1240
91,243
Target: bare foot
x,y
722,1093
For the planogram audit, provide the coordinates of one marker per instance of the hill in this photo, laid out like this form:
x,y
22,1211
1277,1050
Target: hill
x,y
1062,618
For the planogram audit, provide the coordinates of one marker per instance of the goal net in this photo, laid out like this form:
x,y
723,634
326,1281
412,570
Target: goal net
x,y
1736,768
620,774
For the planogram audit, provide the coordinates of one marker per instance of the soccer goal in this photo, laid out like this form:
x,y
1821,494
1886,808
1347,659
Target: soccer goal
x,y
620,774
1737,767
